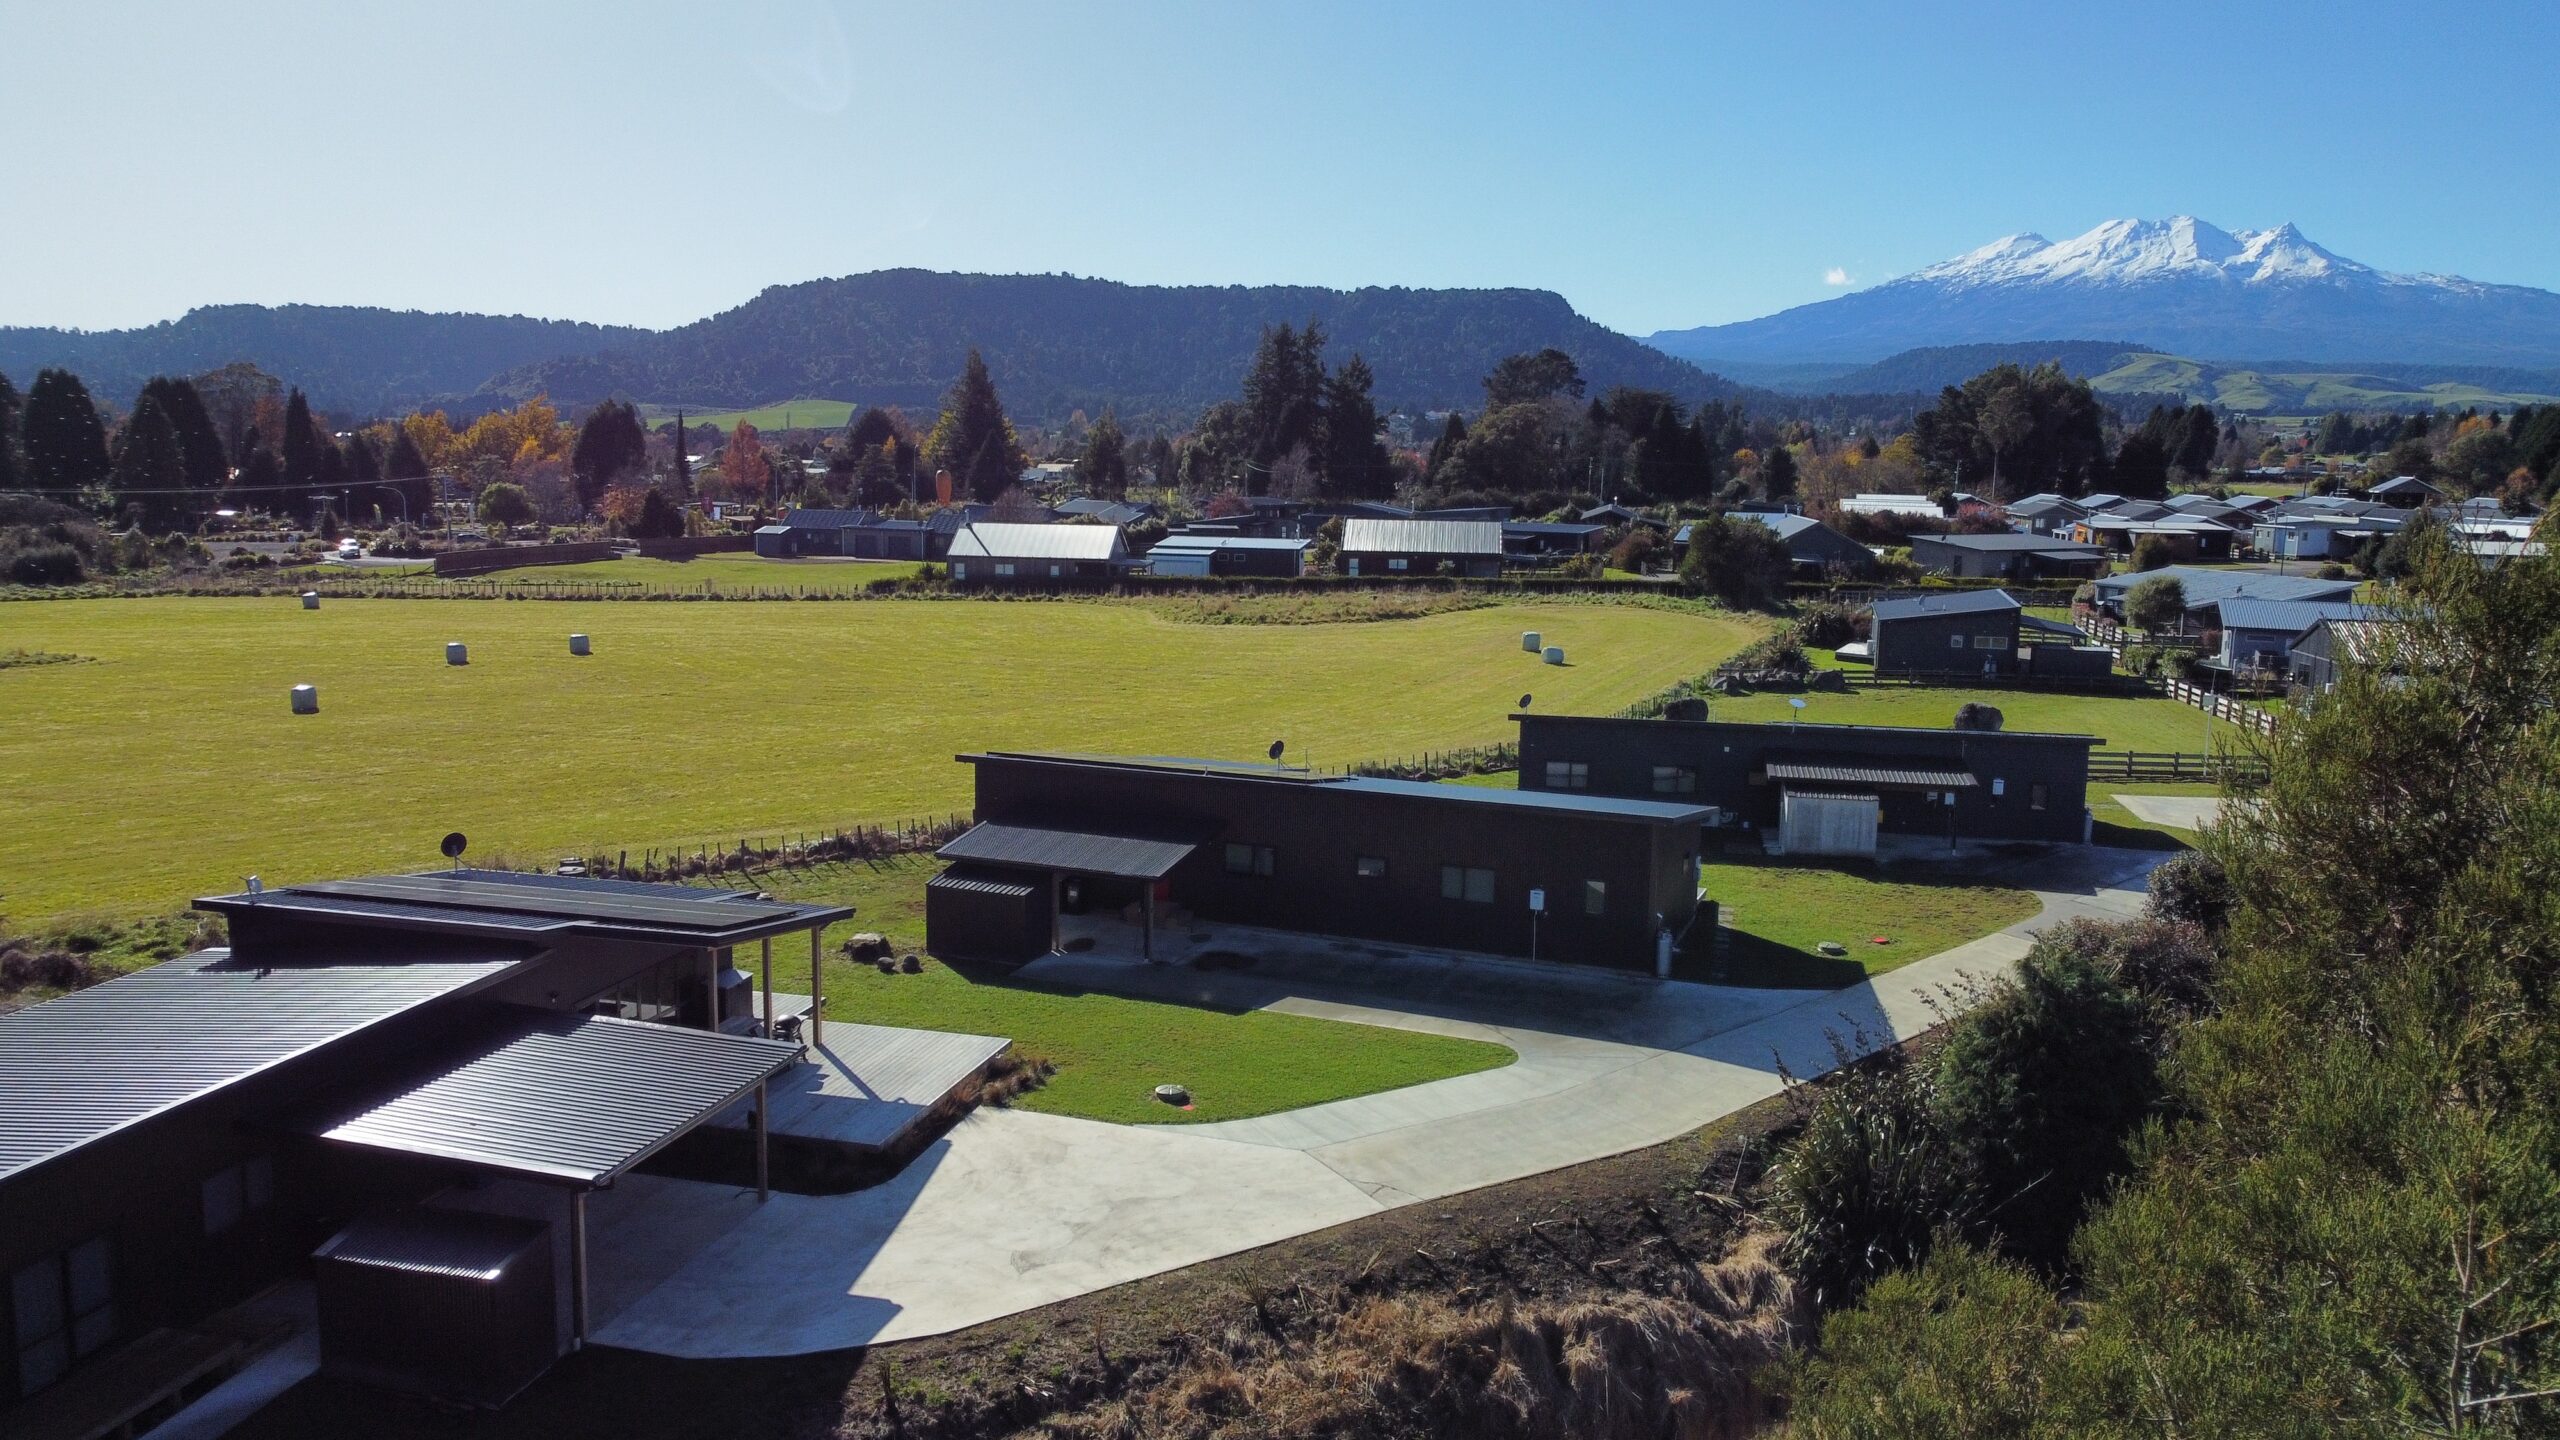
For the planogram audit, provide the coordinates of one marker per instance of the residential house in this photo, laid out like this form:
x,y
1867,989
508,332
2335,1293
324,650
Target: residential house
x,y
2206,589
2407,492
1816,548
1543,542
994,553
1189,552
1470,548
2007,557
2045,514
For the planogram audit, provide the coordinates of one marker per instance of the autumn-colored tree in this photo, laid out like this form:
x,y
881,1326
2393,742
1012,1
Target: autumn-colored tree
x,y
620,505
745,469
431,436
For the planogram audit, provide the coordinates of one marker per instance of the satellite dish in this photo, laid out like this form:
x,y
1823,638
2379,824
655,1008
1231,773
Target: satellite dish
x,y
1276,747
1795,702
453,846
1524,701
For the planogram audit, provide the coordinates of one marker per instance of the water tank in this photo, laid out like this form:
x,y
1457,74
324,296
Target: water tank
x,y
456,653
306,699
310,599
1555,654
578,645
1530,641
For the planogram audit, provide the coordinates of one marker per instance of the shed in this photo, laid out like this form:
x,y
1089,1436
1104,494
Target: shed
x,y
773,542
996,553
453,1305
1420,547
1193,553
988,912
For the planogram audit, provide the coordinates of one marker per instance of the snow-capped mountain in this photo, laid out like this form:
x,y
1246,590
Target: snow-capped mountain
x,y
2180,285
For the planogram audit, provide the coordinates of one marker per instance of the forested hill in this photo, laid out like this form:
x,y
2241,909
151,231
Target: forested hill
x,y
1931,369
349,358
1056,343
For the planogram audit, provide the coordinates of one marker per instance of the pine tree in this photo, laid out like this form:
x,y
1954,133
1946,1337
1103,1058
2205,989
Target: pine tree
x,y
260,478
1778,473
684,462
973,440
199,439
66,443
610,446
301,458
405,469
10,464
1284,393
149,472
1452,434
1355,464
1103,468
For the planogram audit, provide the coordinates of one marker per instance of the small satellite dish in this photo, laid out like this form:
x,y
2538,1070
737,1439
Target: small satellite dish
x,y
1795,703
453,846
1524,701
1276,747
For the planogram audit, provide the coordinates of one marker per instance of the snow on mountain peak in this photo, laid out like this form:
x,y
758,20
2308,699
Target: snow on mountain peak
x,y
2133,252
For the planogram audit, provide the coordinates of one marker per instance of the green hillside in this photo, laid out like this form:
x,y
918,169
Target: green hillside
x,y
2263,391
802,414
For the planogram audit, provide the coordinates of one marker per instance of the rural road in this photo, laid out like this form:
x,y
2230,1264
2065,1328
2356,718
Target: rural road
x,y
1013,1210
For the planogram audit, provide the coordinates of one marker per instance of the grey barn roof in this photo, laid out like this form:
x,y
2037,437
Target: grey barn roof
x,y
1059,847
575,1099
76,1069
989,539
1967,602
1422,537
2010,541
506,902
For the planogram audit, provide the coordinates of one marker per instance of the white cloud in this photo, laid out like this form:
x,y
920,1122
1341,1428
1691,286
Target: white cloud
x,y
1836,276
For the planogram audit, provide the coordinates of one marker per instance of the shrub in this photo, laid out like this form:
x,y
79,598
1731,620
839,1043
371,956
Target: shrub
x,y
1964,1346
43,564
1829,624
1871,1183
2152,552
2039,1086
1742,564
1781,651
2156,603
1974,715
2333,571
1581,567
2191,889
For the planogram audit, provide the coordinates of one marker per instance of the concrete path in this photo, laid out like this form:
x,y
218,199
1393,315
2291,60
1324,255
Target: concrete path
x,y
1014,1210
2187,812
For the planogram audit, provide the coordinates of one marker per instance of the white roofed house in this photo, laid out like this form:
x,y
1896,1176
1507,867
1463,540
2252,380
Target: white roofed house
x,y
1471,548
993,553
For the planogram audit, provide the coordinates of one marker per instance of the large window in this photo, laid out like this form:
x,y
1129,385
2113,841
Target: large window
x,y
1249,860
1568,775
1674,780
657,993
1399,563
1990,642
1470,883
1004,567
237,1191
65,1309
1595,897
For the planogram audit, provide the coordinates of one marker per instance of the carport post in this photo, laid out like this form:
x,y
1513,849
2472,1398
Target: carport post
x,y
764,1169
1147,937
768,985
817,997
578,1268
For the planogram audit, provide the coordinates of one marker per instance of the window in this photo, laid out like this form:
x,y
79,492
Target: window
x,y
1999,787
1955,642
1371,867
1249,860
237,1191
1055,571
1990,642
1004,567
1595,897
1469,883
2037,794
1399,563
959,569
1674,780
657,993
1568,775
65,1309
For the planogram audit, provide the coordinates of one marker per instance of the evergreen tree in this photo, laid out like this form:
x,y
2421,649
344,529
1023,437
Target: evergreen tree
x,y
1778,473
2142,467
1284,393
1517,379
1355,464
149,475
199,439
1103,468
66,443
684,462
259,481
973,440
301,459
1452,434
10,464
610,446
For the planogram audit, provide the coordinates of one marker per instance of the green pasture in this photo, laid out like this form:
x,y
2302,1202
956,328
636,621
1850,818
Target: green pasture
x,y
801,414
165,763
2122,722
732,574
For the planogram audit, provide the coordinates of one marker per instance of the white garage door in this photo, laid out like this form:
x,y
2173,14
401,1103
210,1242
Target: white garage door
x,y
1827,824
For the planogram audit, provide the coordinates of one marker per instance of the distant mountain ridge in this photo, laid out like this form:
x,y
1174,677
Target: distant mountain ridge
x,y
351,358
2187,286
1057,343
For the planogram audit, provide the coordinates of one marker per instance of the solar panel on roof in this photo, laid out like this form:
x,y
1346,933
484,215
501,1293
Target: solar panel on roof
x,y
535,900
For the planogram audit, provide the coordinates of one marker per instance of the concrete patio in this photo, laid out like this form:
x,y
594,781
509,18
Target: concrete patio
x,y
1013,1210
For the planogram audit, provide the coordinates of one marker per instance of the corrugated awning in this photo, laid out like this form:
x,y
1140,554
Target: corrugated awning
x,y
1077,852
1913,777
571,1099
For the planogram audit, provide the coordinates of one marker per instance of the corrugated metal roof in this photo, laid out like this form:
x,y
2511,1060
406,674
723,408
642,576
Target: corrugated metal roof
x,y
2292,617
975,881
1180,540
1834,774
991,540
81,1067
815,519
465,1244
1083,852
1994,544
1598,807
1421,537
482,900
574,1098
1970,602
2210,587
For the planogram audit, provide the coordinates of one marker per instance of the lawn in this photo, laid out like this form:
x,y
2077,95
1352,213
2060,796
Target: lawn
x,y
166,764
2115,825
1111,1052
734,574
1776,911
2121,722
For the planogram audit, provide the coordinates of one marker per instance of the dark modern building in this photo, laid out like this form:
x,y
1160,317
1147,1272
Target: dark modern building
x,y
1450,866
1826,789
2206,590
2007,557
1962,632
1816,548
1539,540
1421,547
989,553
1194,553
175,1140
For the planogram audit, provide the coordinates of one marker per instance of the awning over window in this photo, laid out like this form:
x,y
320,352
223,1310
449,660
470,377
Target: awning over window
x,y
1075,852
571,1099
1903,776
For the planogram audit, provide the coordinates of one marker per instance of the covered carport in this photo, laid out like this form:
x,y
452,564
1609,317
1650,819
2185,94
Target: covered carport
x,y
571,1102
993,850
1836,807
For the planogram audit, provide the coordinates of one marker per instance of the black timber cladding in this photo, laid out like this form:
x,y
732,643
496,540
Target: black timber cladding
x,y
80,1067
1730,765
575,1099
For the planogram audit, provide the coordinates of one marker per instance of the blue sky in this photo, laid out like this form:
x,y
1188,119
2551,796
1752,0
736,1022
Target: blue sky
x,y
1659,165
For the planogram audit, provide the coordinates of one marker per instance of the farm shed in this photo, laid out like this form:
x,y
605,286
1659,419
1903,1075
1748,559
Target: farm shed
x,y
1471,548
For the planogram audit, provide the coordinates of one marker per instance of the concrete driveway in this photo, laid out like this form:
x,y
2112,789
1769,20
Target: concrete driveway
x,y
1013,1210
2186,812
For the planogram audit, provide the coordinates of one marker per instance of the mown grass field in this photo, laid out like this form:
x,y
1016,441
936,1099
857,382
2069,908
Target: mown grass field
x,y
166,765
2123,722
802,414
1777,911
726,574
1111,1052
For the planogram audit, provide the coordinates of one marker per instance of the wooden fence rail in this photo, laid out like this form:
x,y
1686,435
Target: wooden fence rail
x,y
2176,767
2223,707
